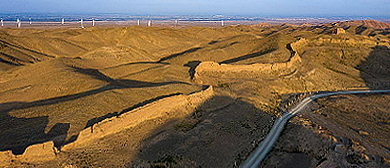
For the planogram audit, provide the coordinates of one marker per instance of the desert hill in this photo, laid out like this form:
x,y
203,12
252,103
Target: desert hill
x,y
366,23
19,48
62,85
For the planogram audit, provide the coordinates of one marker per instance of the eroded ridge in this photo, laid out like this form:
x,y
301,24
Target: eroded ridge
x,y
167,106
209,68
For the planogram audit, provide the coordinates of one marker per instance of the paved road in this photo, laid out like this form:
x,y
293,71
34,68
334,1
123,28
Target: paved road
x,y
258,155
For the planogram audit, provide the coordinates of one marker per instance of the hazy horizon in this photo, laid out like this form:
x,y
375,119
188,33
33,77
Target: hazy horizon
x,y
282,8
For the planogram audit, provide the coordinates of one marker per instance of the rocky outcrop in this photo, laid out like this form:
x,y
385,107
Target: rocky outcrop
x,y
6,158
150,111
209,68
39,153
340,31
263,68
33,154
296,46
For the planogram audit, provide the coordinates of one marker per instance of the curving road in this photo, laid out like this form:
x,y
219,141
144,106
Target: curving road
x,y
258,155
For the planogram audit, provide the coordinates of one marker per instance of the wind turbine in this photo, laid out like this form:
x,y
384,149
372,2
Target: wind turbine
x,y
149,23
18,24
81,24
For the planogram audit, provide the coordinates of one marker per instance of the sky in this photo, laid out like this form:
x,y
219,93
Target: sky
x,y
235,7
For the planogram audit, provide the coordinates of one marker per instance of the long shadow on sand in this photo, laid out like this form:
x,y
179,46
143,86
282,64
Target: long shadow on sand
x,y
192,65
17,134
113,84
375,70
93,121
248,56
135,63
217,134
179,54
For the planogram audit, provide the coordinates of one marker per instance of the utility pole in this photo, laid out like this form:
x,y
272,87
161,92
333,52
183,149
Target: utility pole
x,y
93,22
81,24
30,21
149,23
18,24
63,21
138,23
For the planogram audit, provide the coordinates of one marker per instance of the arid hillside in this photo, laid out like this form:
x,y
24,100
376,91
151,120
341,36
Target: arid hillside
x,y
174,97
367,23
